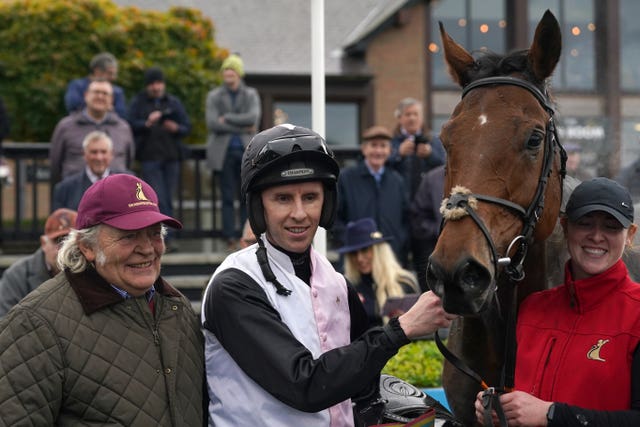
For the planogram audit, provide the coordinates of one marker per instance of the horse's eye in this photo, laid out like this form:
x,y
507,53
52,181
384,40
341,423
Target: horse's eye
x,y
535,140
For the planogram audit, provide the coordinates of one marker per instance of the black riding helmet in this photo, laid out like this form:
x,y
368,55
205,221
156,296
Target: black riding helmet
x,y
287,154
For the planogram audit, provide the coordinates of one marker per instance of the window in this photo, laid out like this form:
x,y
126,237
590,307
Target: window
x,y
476,25
342,119
629,46
576,69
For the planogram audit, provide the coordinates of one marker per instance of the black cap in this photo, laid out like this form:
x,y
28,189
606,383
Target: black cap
x,y
601,194
152,75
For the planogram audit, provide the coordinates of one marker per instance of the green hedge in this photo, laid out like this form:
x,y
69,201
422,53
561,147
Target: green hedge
x,y
46,43
418,363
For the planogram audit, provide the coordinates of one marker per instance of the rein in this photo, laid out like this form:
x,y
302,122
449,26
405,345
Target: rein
x,y
513,266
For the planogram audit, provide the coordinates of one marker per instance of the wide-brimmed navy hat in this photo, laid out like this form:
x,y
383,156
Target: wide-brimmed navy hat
x,y
361,234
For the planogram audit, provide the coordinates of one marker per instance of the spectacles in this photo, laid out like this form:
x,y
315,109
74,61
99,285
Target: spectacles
x,y
100,92
280,147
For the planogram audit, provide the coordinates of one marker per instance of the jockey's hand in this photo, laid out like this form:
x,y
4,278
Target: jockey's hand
x,y
520,409
425,317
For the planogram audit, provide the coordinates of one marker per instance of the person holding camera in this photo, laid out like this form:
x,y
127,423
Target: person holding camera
x,y
414,152
159,122
414,149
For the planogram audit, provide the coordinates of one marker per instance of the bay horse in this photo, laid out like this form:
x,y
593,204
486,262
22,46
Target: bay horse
x,y
503,183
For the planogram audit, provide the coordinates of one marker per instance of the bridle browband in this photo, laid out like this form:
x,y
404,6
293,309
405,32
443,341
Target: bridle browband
x,y
513,266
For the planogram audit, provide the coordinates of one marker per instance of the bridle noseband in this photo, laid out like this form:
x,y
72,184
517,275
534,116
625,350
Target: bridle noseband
x,y
531,215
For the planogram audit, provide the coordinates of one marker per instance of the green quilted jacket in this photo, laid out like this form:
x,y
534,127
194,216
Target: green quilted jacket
x,y
74,352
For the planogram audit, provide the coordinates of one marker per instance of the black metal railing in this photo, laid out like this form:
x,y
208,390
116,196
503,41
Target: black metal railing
x,y
25,197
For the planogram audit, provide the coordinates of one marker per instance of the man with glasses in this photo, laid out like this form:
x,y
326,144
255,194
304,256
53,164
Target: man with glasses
x,y
66,155
286,342
28,273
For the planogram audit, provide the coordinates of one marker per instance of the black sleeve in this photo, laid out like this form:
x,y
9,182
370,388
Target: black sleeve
x,y
574,416
238,312
359,318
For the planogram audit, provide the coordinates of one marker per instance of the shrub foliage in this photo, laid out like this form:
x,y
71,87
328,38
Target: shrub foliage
x,y
46,43
418,363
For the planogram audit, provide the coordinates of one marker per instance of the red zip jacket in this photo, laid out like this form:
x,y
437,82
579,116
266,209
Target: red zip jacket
x,y
576,341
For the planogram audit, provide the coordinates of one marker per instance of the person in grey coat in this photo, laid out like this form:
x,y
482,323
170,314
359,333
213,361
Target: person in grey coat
x,y
28,273
232,117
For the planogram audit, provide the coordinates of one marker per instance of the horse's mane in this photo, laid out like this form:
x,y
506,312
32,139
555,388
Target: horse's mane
x,y
491,64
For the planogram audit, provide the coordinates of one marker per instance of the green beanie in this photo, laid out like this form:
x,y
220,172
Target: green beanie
x,y
234,63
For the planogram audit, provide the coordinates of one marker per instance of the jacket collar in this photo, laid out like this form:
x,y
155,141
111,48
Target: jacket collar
x,y
588,293
95,293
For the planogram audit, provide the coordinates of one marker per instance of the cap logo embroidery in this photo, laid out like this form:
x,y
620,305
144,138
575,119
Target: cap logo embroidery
x,y
142,197
594,352
139,193
376,235
624,205
296,172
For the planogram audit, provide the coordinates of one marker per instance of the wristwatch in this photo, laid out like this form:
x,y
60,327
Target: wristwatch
x,y
550,413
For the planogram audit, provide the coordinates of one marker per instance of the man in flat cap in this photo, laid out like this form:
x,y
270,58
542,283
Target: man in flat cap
x,y
107,340
370,189
29,272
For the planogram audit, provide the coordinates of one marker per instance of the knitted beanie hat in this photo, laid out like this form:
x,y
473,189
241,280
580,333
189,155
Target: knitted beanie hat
x,y
233,62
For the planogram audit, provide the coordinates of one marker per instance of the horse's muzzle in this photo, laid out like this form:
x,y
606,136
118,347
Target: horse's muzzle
x,y
465,290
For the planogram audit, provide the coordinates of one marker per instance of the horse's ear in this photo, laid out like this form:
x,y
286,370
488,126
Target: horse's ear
x,y
459,61
544,52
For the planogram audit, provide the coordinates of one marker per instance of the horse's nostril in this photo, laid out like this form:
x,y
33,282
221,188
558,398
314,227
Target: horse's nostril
x,y
473,276
435,280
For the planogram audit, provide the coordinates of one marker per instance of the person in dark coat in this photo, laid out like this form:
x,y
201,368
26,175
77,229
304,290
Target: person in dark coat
x,y
425,220
369,189
26,274
159,122
98,153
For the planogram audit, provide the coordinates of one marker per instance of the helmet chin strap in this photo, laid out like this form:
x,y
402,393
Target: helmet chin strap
x,y
263,262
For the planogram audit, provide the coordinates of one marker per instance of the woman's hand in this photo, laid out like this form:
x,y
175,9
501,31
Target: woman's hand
x,y
520,409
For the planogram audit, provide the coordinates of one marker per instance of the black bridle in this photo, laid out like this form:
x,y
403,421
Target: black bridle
x,y
513,266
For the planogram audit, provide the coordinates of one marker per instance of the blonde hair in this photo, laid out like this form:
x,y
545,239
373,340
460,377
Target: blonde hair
x,y
388,275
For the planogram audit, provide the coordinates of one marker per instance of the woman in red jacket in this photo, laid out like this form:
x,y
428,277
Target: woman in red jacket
x,y
578,362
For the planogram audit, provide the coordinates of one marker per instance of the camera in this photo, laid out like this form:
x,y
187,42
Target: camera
x,y
420,139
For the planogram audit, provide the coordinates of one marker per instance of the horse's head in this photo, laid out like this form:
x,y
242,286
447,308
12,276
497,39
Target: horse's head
x,y
504,165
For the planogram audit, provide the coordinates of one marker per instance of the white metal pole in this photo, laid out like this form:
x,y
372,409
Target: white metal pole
x,y
318,92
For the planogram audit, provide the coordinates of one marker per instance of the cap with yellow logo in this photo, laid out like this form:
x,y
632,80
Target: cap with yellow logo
x,y
121,201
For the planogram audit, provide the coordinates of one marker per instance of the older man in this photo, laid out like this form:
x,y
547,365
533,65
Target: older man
x,y
370,189
107,341
29,272
66,155
98,154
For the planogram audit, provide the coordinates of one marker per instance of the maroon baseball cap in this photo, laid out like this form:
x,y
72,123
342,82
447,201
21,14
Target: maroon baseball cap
x,y
121,201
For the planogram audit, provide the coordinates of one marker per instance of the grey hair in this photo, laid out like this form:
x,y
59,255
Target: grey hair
x,y
95,136
70,257
404,104
102,61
